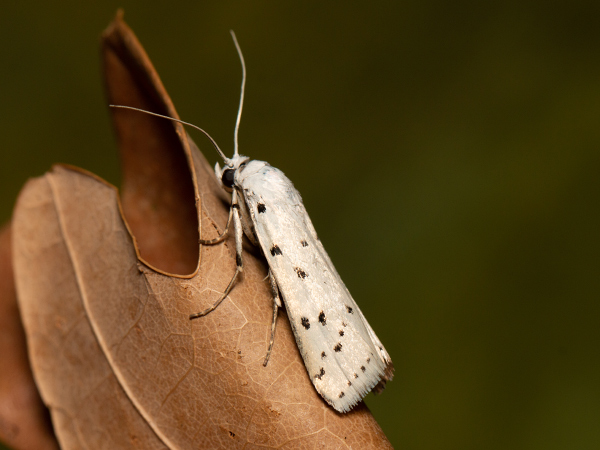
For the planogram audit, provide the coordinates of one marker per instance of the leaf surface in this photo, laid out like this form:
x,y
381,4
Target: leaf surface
x,y
24,421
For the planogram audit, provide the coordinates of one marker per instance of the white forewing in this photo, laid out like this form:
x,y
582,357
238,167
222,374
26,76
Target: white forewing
x,y
342,354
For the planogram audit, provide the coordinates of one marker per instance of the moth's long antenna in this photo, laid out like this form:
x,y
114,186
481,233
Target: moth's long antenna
x,y
239,115
176,120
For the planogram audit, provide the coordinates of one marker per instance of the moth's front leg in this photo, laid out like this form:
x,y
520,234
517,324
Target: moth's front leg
x,y
223,235
237,228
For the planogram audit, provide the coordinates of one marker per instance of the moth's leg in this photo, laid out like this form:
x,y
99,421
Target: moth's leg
x,y
276,306
237,226
226,230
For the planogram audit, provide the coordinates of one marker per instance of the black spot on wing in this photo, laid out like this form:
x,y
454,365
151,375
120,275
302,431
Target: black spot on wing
x,y
261,208
349,309
305,322
301,273
355,375
323,355
341,394
338,347
304,243
341,332
322,318
320,374
349,383
363,368
275,250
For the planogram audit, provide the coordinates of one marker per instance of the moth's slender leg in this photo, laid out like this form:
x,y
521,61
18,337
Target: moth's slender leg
x,y
276,306
237,225
226,230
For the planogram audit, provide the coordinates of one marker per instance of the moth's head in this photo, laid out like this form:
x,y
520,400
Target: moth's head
x,y
227,174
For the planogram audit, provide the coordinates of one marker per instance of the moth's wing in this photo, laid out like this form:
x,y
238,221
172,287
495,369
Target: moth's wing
x,y
341,353
381,351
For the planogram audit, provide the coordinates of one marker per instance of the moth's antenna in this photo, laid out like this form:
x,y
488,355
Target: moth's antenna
x,y
176,120
239,115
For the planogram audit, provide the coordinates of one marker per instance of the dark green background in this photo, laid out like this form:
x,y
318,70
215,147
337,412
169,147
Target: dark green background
x,y
449,156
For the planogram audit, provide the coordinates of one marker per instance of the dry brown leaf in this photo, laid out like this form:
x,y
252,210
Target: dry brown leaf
x,y
24,421
113,352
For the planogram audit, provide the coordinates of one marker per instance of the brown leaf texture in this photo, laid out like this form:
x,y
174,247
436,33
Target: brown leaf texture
x,y
105,305
24,421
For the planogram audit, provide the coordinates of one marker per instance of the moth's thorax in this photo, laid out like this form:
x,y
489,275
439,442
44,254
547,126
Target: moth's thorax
x,y
249,169
268,183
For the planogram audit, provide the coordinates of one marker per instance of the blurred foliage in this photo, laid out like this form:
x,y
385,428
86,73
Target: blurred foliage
x,y
448,153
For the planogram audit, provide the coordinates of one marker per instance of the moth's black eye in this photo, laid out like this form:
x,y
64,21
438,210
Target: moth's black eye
x,y
227,177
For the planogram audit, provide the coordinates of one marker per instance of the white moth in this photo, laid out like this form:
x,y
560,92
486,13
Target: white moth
x,y
343,357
